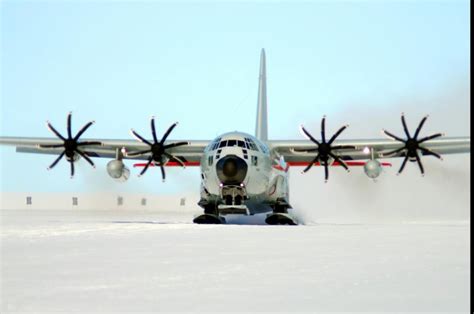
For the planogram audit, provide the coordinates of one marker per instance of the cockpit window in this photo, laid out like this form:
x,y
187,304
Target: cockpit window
x,y
214,144
254,161
251,144
263,148
247,144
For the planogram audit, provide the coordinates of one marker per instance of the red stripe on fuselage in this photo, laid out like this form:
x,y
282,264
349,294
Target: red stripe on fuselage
x,y
278,167
171,164
349,163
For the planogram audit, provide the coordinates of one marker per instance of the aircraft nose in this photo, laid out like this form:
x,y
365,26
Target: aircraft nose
x,y
231,170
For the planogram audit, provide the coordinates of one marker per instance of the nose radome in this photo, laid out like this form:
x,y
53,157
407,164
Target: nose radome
x,y
231,170
229,167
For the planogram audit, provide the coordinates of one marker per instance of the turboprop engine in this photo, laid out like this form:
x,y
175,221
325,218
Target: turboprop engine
x,y
118,171
71,147
372,168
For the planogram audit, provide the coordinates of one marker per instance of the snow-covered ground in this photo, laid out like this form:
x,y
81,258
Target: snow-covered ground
x,y
145,261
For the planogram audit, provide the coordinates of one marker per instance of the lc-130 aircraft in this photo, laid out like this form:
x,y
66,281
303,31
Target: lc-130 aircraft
x,y
242,173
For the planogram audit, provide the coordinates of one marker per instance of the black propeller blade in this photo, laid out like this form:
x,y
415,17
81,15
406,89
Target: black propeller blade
x,y
325,149
159,155
411,145
70,144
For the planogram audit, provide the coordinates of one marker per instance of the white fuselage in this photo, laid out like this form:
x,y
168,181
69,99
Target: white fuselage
x,y
263,184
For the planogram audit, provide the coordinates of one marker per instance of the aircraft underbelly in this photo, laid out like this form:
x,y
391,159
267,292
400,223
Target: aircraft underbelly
x,y
251,207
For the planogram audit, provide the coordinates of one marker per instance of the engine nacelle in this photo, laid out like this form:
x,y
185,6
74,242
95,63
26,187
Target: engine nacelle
x,y
118,171
372,168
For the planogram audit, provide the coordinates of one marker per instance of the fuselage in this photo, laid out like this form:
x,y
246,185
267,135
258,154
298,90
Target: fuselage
x,y
240,173
238,170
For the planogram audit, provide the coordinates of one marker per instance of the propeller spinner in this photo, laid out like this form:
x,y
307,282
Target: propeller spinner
x,y
157,150
324,149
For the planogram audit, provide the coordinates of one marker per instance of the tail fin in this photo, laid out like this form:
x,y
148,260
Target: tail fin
x,y
261,129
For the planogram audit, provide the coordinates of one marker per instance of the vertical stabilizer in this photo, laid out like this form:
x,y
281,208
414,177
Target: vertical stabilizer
x,y
261,128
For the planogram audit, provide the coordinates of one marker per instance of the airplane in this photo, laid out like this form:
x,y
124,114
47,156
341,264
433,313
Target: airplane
x,y
242,173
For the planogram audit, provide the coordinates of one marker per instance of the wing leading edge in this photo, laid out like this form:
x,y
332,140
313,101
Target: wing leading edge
x,y
328,151
109,148
363,148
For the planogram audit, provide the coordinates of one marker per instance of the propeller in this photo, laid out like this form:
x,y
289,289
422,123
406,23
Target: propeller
x,y
324,149
70,144
411,145
158,155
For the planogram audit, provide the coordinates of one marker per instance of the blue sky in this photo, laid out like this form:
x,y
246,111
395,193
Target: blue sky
x,y
197,63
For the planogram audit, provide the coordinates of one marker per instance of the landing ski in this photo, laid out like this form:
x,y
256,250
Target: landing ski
x,y
209,219
280,219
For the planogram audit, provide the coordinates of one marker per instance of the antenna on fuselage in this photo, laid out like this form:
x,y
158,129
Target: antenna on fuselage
x,y
261,128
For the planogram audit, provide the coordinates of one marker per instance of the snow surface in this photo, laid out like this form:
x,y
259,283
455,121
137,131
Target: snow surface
x,y
148,261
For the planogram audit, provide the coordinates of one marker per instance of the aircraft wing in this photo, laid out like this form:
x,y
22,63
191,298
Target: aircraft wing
x,y
109,148
364,148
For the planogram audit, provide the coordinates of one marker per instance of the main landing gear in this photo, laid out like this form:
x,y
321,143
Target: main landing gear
x,y
210,216
280,219
209,219
280,215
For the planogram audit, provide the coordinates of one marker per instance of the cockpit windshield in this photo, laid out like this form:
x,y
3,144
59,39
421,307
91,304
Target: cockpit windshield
x,y
248,144
251,144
